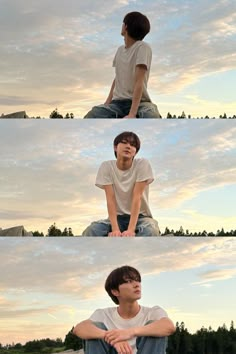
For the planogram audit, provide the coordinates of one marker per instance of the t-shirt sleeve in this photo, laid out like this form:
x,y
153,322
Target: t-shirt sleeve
x,y
114,60
103,176
144,55
97,316
144,171
156,313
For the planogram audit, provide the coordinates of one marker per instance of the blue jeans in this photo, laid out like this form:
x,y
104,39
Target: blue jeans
x,y
144,345
121,108
145,226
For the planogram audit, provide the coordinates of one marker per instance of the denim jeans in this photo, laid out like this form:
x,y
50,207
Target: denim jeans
x,y
146,226
121,108
144,345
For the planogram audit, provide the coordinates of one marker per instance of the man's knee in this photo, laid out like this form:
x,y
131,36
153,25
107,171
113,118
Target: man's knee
x,y
148,110
98,228
148,227
102,111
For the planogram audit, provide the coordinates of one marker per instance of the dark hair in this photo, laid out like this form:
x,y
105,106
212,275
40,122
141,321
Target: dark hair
x,y
138,25
131,137
120,276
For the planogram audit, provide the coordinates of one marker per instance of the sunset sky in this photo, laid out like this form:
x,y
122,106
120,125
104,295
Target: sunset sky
x,y
49,285
48,170
58,53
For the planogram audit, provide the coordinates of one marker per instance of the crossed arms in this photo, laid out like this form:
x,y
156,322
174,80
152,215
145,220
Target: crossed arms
x,y
118,338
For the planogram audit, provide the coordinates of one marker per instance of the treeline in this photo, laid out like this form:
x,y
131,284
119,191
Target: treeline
x,y
184,116
204,341
42,346
56,115
54,231
182,232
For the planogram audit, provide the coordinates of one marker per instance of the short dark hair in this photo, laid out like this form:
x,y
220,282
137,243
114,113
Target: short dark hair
x,y
138,25
120,276
131,137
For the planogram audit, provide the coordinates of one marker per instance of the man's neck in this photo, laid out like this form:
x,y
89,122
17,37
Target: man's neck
x,y
128,310
129,41
124,164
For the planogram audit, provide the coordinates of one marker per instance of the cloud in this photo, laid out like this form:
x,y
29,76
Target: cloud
x,y
216,275
66,268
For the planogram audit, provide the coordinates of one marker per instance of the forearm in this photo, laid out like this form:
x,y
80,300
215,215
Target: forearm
x,y
110,96
112,213
87,330
161,328
135,209
137,95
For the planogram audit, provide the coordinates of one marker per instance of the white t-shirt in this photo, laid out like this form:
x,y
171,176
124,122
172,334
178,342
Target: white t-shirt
x,y
125,62
112,320
123,183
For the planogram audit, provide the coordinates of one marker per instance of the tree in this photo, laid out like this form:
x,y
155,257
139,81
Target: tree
x,y
183,115
72,341
54,231
167,231
55,114
38,234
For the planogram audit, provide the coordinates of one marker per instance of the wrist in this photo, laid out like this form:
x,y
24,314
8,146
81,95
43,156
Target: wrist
x,y
103,333
136,332
133,114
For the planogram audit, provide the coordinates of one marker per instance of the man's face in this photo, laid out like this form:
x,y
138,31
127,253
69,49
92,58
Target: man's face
x,y
123,29
126,149
129,291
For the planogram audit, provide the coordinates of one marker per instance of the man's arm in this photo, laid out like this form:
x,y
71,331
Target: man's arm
x,y
135,207
87,330
109,98
140,72
161,328
112,212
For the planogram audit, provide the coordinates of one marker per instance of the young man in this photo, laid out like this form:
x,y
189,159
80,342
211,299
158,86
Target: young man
x,y
126,183
128,97
128,328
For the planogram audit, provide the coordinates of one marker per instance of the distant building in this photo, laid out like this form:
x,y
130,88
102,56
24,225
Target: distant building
x,y
15,115
15,231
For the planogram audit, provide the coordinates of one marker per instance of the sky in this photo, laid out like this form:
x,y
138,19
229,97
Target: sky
x,y
59,53
49,285
48,171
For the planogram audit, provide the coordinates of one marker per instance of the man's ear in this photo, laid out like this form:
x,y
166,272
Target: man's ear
x,y
115,292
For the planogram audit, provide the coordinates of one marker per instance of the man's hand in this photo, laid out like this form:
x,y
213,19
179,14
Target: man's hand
x,y
118,335
128,233
123,348
115,233
130,116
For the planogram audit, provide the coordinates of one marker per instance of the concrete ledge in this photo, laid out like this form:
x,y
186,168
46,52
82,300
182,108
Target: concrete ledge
x,y
71,351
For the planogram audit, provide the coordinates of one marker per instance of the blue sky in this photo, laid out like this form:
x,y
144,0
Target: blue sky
x,y
48,172
58,53
47,286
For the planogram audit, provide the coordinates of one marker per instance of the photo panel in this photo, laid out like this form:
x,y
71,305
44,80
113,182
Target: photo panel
x,y
49,169
56,56
48,286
